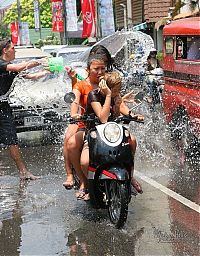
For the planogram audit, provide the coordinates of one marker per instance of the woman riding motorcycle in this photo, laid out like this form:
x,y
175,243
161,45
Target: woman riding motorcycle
x,y
72,128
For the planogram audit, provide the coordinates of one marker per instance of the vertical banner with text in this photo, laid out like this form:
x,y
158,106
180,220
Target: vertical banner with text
x,y
71,15
25,33
36,15
106,17
88,14
14,28
57,16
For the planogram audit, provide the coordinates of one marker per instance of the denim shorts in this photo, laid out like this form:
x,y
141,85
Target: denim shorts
x,y
8,135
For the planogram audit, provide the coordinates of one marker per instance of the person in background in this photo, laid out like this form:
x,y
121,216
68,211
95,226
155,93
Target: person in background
x,y
180,52
8,72
152,61
73,128
194,50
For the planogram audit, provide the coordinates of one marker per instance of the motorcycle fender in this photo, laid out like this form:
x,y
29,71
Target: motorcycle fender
x,y
117,173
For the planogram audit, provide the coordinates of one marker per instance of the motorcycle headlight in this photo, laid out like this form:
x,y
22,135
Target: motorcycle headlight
x,y
112,132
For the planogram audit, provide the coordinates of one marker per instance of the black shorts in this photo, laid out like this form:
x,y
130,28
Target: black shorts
x,y
8,135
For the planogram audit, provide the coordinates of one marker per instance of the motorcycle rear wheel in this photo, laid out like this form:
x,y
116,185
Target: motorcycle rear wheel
x,y
118,203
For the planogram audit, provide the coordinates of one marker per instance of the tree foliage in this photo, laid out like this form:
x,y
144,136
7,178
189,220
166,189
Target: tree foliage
x,y
4,31
27,13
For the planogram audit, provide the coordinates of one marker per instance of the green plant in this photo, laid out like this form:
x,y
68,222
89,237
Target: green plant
x,y
159,55
52,39
28,16
4,31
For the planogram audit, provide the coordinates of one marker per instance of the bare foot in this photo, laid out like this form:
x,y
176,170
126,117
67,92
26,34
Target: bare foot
x,y
69,183
29,176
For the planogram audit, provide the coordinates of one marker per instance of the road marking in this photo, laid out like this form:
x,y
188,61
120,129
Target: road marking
x,y
169,192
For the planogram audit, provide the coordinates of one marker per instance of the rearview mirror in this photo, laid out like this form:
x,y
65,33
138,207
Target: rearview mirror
x,y
69,97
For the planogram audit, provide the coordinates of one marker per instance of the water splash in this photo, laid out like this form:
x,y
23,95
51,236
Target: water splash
x,y
130,50
45,93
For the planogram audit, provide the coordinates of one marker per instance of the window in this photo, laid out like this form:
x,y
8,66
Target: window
x,y
169,45
193,48
188,48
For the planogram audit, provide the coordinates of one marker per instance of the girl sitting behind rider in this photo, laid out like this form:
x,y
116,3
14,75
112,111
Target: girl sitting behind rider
x,y
106,102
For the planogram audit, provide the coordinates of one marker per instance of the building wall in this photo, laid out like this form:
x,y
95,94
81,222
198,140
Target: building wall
x,y
119,13
156,9
137,11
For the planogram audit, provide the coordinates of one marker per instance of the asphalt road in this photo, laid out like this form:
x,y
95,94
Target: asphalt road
x,y
42,218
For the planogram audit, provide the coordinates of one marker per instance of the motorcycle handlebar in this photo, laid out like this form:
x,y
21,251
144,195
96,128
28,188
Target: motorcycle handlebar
x,y
89,119
128,119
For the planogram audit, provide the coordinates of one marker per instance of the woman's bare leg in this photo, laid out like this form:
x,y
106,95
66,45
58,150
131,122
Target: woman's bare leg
x,y
16,156
71,130
85,159
75,144
134,182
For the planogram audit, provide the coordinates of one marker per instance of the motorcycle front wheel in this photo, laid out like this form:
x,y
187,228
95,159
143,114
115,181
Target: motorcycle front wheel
x,y
118,203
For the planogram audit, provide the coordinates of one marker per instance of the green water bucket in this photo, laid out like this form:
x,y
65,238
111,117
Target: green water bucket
x,y
56,64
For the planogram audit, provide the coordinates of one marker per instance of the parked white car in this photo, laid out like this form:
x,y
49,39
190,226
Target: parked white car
x,y
52,49
72,53
38,105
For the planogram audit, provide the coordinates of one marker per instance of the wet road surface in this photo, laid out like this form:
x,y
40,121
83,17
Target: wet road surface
x,y
42,218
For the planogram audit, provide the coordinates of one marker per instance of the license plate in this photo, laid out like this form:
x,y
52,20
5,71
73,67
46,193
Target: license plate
x,y
33,120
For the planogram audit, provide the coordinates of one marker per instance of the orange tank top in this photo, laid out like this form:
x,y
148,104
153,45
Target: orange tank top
x,y
84,88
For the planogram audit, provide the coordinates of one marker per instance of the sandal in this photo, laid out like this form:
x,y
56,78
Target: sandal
x,y
86,197
81,193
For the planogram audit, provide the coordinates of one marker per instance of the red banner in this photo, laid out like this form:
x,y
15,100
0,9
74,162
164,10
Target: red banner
x,y
57,16
14,33
88,14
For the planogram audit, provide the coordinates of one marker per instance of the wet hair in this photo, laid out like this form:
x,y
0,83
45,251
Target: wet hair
x,y
113,79
5,43
95,57
103,51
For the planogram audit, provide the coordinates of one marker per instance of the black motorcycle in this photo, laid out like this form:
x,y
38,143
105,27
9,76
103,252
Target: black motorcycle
x,y
110,163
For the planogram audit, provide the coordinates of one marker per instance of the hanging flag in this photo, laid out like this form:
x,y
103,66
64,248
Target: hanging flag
x,y
57,16
88,14
71,15
15,33
106,17
25,33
